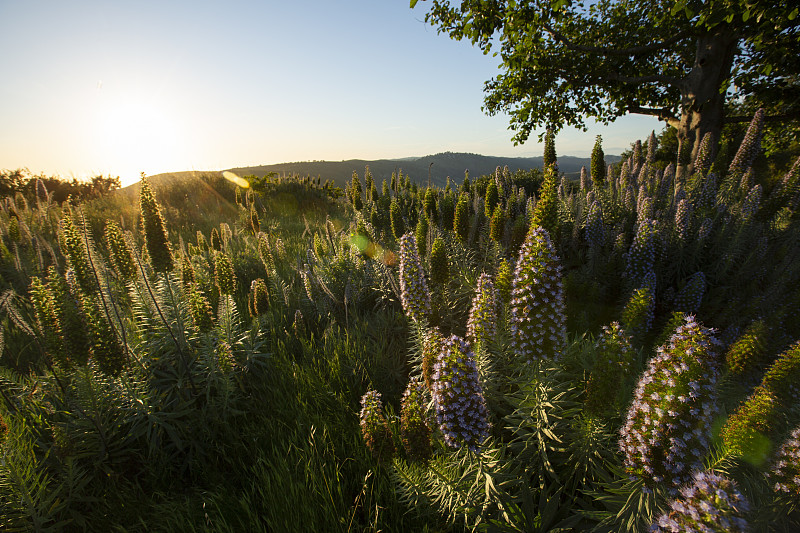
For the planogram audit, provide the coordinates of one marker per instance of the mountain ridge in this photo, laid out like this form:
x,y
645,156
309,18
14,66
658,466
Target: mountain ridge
x,y
441,166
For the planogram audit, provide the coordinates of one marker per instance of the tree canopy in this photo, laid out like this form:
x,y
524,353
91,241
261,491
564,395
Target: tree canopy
x,y
678,60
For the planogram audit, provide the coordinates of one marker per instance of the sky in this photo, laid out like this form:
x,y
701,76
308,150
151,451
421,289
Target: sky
x,y
121,88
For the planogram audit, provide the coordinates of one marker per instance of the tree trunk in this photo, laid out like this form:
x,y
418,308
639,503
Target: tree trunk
x,y
703,100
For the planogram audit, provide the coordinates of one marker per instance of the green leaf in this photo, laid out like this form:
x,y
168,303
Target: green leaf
x,y
413,3
793,14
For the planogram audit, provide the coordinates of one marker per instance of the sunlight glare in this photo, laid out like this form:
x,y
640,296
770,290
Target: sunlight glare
x,y
140,136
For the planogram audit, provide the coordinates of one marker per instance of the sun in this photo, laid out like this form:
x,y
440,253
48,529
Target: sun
x,y
137,135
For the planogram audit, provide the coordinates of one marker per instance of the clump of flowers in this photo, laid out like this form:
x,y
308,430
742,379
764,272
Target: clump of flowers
x,y
537,300
375,428
691,295
785,473
613,363
482,323
431,348
667,429
458,397
413,287
711,502
414,431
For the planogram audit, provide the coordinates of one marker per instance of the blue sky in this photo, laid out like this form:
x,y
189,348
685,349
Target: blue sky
x,y
127,87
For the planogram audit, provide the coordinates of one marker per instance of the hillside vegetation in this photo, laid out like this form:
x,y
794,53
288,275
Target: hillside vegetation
x,y
516,352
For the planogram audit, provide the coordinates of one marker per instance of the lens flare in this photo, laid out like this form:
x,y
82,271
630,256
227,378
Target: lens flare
x,y
241,182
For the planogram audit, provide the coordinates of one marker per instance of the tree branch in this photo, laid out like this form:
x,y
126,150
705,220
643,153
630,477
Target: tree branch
x,y
663,113
602,50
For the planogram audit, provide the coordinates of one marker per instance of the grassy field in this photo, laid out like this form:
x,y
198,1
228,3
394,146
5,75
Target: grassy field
x,y
521,352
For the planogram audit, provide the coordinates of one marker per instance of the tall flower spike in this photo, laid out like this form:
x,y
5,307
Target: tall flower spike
x,y
44,307
259,297
638,314
595,231
682,217
414,431
711,502
431,348
458,397
120,253
538,324
200,309
751,203
223,271
71,320
584,180
74,248
375,428
503,280
691,295
413,287
598,163
482,322
545,213
705,155
155,232
106,349
749,350
750,147
642,254
667,429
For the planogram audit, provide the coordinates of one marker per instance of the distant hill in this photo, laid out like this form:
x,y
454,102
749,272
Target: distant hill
x,y
441,166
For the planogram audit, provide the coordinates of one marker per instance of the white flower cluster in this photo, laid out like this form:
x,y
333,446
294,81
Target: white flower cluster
x,y
458,397
413,288
538,323
482,323
710,503
667,430
785,472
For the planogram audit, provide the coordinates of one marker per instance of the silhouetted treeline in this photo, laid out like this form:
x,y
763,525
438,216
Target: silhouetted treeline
x,y
56,188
